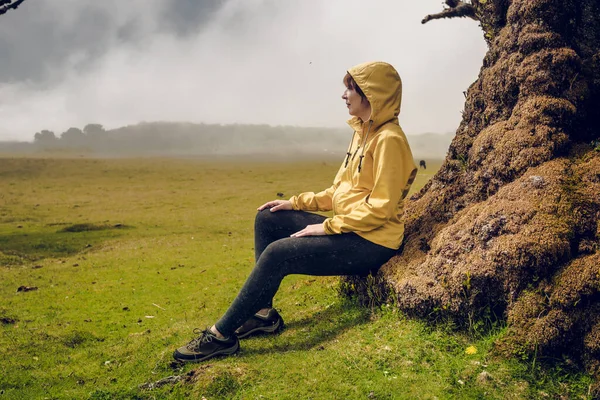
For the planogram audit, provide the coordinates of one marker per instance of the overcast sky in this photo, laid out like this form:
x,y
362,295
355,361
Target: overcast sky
x,y
67,63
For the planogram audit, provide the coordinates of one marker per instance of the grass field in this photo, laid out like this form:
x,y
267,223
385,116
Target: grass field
x,y
128,256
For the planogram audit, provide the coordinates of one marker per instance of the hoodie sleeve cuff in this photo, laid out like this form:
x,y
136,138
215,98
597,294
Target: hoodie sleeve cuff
x,y
294,201
328,228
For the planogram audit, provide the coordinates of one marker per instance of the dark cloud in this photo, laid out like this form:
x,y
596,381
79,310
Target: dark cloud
x,y
40,38
32,42
66,63
185,17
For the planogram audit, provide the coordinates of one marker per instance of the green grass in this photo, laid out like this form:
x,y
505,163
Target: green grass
x,y
129,256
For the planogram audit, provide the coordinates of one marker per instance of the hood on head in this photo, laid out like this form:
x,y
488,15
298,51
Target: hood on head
x,y
382,85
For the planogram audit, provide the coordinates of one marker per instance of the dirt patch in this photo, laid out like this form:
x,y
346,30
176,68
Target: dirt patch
x,y
86,227
8,320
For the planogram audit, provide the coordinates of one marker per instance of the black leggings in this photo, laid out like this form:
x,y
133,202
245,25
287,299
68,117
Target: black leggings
x,y
278,255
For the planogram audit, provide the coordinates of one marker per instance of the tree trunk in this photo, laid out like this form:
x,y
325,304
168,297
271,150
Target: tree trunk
x,y
509,224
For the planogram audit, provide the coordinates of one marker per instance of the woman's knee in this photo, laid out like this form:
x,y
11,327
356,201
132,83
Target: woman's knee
x,y
267,219
263,218
273,257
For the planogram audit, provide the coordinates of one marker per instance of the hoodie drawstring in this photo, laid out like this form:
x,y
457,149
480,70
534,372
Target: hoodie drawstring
x,y
348,154
362,152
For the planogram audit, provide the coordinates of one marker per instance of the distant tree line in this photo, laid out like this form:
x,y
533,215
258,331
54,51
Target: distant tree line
x,y
72,137
195,139
183,139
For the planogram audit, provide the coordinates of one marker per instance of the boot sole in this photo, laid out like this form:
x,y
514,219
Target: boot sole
x,y
264,329
224,352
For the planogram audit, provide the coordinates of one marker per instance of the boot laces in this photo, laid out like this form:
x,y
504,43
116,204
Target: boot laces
x,y
205,336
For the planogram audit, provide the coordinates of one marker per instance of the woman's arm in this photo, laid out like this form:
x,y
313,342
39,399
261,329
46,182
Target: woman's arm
x,y
307,201
322,201
393,173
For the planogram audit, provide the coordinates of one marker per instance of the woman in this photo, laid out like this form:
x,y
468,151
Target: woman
x,y
365,231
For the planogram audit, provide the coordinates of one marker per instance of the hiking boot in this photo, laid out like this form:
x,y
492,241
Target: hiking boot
x,y
271,323
206,346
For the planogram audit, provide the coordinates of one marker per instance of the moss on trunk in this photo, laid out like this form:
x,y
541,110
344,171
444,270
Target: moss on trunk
x,y
510,221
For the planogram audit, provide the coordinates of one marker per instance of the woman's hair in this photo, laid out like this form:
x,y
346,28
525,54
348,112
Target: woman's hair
x,y
351,84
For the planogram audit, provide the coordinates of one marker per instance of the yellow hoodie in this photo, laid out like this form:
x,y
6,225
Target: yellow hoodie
x,y
368,192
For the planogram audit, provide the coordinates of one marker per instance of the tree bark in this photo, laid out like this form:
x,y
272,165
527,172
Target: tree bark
x,y
509,225
6,5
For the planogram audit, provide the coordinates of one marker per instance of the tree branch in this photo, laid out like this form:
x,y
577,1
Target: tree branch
x,y
456,9
6,5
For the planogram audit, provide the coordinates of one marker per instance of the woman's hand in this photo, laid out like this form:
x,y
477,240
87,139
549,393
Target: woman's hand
x,y
310,230
276,205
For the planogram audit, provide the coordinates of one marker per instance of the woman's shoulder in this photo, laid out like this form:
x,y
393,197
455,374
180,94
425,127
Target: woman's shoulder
x,y
391,132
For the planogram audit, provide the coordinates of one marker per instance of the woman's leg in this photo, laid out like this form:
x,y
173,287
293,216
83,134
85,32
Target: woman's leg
x,y
345,254
271,226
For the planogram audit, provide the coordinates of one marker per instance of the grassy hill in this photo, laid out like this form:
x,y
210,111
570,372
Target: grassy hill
x,y
128,256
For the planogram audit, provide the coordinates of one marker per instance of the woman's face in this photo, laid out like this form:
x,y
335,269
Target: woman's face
x,y
356,105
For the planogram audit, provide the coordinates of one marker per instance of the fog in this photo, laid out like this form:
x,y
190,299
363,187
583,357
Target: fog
x,y
71,62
